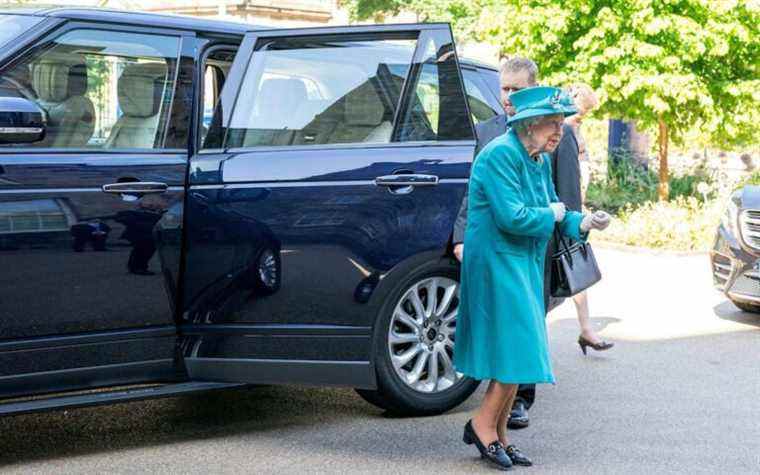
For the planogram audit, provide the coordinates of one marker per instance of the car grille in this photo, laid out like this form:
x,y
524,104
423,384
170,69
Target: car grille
x,y
721,270
747,284
750,228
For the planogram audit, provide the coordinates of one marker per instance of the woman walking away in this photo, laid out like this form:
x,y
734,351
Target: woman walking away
x,y
513,209
585,101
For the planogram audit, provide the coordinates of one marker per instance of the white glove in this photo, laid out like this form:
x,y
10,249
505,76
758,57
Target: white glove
x,y
559,211
599,221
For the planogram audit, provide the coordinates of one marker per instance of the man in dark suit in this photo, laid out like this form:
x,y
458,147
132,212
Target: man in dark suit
x,y
516,74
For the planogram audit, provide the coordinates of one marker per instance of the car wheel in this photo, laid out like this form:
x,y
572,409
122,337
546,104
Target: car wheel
x,y
413,344
747,307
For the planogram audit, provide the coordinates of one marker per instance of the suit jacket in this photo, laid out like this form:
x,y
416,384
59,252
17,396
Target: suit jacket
x,y
566,175
566,170
485,132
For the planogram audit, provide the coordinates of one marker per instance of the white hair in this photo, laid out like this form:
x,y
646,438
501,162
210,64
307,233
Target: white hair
x,y
522,126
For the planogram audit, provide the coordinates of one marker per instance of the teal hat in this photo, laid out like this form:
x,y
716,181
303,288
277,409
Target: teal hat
x,y
539,101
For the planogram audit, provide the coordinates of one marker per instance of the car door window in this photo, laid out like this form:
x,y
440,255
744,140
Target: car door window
x,y
436,109
12,26
99,89
216,67
320,90
483,106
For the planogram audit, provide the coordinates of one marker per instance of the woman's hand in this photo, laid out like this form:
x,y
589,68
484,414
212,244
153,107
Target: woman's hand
x,y
559,211
599,221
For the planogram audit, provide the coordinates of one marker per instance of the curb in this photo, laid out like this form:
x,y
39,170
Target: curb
x,y
647,250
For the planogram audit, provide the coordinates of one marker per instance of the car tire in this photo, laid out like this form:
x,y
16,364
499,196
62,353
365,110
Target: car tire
x,y
747,307
400,390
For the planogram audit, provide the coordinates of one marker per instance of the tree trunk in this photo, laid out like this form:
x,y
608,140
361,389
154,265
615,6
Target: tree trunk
x,y
664,188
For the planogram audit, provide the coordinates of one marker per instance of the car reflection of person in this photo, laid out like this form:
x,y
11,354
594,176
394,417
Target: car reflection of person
x,y
138,231
585,100
94,232
512,213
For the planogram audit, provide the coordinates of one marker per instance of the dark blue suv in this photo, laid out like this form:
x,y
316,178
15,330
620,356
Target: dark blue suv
x,y
188,205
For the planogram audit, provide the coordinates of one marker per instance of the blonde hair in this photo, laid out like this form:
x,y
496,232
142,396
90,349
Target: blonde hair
x,y
584,97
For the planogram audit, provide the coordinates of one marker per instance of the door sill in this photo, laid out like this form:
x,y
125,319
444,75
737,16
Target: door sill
x,y
353,374
108,397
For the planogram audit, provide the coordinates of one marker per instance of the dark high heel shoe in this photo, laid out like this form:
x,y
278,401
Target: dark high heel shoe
x,y
517,457
494,453
601,346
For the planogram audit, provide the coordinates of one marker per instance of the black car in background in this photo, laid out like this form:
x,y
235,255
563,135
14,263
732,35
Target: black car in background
x,y
188,205
735,255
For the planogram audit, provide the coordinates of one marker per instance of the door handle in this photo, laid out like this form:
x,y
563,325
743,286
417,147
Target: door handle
x,y
407,180
135,188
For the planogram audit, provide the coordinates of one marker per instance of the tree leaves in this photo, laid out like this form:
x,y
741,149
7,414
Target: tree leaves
x,y
693,62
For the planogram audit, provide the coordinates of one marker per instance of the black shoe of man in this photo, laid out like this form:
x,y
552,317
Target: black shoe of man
x,y
518,417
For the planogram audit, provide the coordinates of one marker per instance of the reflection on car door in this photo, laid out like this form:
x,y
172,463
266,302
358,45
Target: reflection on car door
x,y
345,156
81,295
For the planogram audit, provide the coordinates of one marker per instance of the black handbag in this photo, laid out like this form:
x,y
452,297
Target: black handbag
x,y
574,267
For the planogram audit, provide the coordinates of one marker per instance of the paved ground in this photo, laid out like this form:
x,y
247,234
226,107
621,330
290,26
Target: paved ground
x,y
680,393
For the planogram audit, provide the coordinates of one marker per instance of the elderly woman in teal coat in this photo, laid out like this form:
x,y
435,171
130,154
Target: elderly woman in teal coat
x,y
513,210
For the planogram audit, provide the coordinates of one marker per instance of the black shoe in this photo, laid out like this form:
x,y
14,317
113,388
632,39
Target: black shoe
x,y
517,457
494,453
518,417
601,346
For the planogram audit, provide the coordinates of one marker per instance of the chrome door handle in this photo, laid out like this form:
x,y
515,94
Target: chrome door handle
x,y
135,188
407,180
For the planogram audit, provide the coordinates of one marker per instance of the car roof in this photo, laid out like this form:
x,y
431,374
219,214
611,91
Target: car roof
x,y
156,20
474,63
162,20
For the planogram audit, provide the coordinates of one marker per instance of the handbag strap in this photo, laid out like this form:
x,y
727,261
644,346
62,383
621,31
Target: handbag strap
x,y
560,243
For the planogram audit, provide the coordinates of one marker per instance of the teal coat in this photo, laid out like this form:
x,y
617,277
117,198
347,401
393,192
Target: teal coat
x,y
501,329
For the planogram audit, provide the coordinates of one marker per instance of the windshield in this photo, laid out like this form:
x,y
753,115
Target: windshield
x,y
13,25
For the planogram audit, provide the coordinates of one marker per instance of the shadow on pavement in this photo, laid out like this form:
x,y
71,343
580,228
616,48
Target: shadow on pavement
x,y
268,414
728,311
31,437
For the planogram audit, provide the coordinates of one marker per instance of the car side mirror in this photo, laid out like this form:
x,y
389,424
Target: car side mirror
x,y
21,121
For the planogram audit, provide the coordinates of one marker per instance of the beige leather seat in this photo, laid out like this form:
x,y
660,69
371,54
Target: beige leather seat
x,y
140,91
364,118
278,113
61,85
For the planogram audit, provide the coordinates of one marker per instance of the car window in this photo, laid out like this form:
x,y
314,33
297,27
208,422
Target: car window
x,y
436,109
491,79
216,67
99,89
483,105
12,26
320,90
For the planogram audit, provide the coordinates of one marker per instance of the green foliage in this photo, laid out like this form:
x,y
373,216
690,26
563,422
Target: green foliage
x,y
628,184
683,224
692,62
751,179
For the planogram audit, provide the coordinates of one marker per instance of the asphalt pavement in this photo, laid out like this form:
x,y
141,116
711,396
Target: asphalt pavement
x,y
679,393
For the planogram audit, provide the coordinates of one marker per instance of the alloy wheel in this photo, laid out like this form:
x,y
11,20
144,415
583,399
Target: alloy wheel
x,y
422,334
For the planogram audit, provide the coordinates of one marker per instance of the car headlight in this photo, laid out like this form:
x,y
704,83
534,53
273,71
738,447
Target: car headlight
x,y
731,217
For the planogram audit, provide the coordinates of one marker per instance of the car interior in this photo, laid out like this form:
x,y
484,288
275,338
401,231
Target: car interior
x,y
94,100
